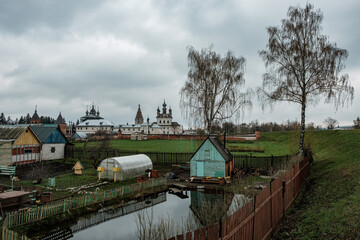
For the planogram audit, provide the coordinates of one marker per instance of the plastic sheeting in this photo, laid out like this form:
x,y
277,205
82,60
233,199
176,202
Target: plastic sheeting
x,y
130,166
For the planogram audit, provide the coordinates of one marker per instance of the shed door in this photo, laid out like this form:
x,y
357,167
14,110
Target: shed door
x,y
200,169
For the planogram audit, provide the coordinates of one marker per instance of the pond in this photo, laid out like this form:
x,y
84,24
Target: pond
x,y
121,222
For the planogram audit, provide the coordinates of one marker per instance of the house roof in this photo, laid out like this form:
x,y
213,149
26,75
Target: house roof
x,y
11,132
130,126
44,131
175,124
96,123
219,146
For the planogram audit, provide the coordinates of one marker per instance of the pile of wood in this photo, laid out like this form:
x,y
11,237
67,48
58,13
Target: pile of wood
x,y
244,172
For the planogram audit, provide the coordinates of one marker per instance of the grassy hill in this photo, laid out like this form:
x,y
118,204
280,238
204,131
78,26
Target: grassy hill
x,y
330,207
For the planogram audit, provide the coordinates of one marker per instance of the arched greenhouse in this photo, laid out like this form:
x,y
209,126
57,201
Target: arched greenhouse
x,y
129,166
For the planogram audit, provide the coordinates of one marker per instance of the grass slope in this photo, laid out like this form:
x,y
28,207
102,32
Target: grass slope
x,y
329,208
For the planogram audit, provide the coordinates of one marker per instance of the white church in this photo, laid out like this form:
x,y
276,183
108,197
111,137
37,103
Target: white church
x,y
164,124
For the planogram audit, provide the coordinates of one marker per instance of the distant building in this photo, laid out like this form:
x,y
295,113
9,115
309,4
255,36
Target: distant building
x,y
164,120
62,124
163,125
92,115
93,122
139,117
35,119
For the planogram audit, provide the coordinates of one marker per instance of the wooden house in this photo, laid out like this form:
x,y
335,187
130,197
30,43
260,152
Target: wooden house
x,y
53,141
211,159
24,144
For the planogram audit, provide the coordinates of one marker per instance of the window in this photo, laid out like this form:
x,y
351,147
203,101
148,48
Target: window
x,y
26,151
52,149
207,154
168,121
160,121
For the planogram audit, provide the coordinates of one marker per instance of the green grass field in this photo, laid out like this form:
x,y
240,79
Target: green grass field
x,y
270,146
330,208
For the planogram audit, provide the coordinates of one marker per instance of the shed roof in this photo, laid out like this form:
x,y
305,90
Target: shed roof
x,y
80,135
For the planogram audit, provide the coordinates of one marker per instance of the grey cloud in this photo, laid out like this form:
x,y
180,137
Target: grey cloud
x,y
62,55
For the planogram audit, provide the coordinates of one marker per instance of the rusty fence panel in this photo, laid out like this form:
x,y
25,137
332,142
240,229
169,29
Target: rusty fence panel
x,y
240,225
276,202
289,189
262,218
296,180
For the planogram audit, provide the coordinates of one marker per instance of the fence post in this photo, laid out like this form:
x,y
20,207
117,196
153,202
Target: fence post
x,y
253,230
272,160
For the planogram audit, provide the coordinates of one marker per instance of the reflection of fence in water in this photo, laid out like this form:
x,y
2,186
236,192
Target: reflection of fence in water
x,y
128,208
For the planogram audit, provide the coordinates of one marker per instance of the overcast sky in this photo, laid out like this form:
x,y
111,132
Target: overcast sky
x,y
63,55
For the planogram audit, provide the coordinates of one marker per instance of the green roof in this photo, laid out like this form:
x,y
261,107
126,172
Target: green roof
x,y
44,131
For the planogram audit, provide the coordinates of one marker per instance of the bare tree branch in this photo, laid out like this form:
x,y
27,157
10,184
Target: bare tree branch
x,y
212,91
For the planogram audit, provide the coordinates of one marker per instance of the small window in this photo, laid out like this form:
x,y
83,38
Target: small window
x,y
160,121
52,149
168,121
26,151
207,154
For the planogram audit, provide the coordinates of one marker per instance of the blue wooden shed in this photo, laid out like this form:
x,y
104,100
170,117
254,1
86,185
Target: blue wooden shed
x,y
211,159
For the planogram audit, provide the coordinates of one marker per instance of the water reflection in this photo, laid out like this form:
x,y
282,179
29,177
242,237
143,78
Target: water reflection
x,y
120,223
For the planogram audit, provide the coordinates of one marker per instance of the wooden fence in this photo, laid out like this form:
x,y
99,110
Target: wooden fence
x,y
261,216
41,212
163,158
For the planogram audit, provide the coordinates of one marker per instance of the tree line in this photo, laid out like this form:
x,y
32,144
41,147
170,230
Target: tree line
x,y
24,119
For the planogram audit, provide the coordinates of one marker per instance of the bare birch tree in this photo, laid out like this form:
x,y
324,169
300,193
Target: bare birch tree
x,y
213,89
302,65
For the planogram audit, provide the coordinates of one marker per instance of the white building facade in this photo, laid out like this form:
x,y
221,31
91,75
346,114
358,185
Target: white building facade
x,y
164,124
92,122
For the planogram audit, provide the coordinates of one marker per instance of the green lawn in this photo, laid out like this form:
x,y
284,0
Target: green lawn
x,y
270,146
330,208
150,145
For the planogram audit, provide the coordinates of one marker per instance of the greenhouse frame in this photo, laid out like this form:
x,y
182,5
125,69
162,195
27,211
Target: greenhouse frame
x,y
129,166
